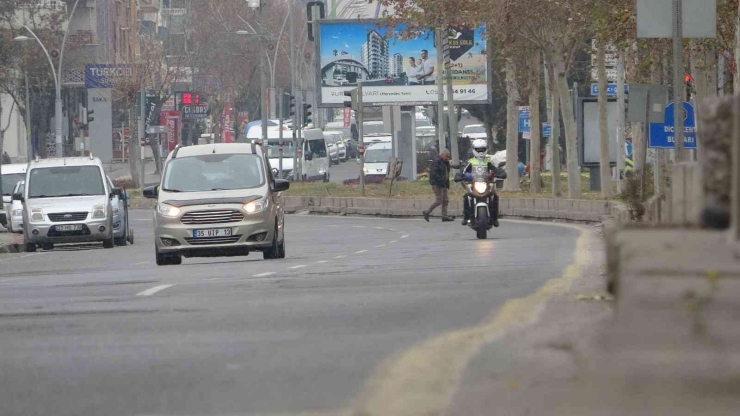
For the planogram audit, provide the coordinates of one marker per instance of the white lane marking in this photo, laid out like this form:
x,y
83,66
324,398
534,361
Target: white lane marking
x,y
300,266
20,257
264,274
392,242
379,228
153,290
340,257
10,280
405,236
380,245
139,264
358,226
361,251
323,261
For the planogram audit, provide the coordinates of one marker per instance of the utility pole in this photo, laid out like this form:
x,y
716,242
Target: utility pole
x,y
281,110
620,121
440,90
263,77
361,145
29,142
299,140
142,134
451,114
294,125
678,86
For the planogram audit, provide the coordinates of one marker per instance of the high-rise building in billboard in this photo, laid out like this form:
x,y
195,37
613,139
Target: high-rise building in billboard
x,y
396,65
375,53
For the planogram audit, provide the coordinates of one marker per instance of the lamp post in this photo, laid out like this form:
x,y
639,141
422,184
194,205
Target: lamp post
x,y
57,71
29,143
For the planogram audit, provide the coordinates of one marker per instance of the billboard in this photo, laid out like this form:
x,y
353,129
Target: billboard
x,y
396,69
357,9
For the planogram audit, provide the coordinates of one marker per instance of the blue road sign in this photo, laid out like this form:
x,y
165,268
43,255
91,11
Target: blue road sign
x,y
546,130
628,149
524,120
661,134
106,75
611,89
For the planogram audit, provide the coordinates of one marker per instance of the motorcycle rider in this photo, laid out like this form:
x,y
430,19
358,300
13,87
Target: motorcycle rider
x,y
482,158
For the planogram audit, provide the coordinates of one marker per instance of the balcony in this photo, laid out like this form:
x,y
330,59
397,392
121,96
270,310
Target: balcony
x,y
38,13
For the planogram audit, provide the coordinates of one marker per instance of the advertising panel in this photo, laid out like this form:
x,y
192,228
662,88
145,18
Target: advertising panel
x,y
397,69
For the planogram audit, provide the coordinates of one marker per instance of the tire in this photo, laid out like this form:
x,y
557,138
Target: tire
x,y
130,237
30,248
108,243
273,252
123,240
281,249
48,246
167,259
326,177
481,223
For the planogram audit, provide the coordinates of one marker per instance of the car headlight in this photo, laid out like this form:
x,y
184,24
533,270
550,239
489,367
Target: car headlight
x,y
17,212
168,210
116,210
256,206
37,214
98,211
480,187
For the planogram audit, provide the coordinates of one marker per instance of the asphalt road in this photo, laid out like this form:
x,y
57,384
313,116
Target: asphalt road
x,y
88,331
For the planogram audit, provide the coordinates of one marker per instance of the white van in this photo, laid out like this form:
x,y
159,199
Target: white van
x,y
377,157
315,160
12,174
272,146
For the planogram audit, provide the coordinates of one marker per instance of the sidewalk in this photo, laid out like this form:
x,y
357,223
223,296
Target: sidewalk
x,y
10,243
670,346
121,170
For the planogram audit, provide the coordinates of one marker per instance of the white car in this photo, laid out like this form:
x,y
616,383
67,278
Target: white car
x,y
341,143
15,222
333,147
475,131
12,174
377,157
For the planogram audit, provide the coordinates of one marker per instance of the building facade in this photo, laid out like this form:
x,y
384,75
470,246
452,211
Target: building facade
x,y
396,65
375,54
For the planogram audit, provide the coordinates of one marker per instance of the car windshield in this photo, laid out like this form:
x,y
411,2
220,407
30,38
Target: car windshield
x,y
213,172
378,155
474,130
273,148
65,181
10,180
373,128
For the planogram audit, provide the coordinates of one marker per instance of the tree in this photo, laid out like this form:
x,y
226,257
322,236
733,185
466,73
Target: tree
x,y
604,155
512,127
535,72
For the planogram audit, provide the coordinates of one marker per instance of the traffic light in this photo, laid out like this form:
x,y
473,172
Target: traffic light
x,y
688,79
353,102
307,114
86,118
291,106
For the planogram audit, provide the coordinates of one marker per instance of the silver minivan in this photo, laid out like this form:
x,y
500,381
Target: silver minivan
x,y
218,200
67,200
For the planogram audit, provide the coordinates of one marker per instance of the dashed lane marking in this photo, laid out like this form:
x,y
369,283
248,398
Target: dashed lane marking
x,y
323,261
361,251
340,257
392,242
155,289
380,245
300,266
264,274
405,236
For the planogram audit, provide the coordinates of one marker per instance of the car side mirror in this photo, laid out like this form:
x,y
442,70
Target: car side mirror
x,y
309,156
151,192
18,197
281,185
6,199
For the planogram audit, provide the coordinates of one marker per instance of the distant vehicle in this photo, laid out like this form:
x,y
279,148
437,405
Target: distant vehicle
x,y
463,113
12,174
15,224
122,231
333,146
342,143
272,147
217,200
423,121
349,135
377,157
67,200
475,131
377,138
374,127
316,161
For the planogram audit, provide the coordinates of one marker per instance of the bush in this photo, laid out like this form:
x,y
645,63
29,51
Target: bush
x,y
125,182
631,193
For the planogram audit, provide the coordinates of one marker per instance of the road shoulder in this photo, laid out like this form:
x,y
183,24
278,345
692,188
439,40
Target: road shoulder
x,y
529,369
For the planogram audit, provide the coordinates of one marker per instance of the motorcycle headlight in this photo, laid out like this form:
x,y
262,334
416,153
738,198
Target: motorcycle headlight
x,y
37,214
256,206
168,210
480,187
98,211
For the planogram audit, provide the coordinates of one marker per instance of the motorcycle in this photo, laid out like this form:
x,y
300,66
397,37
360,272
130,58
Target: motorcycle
x,y
480,188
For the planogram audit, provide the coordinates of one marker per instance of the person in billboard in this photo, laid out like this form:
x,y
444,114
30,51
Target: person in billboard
x,y
427,69
413,72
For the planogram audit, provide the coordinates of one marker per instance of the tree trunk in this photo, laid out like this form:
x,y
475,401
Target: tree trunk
x,y
535,139
489,128
134,145
569,121
512,129
604,156
736,75
557,185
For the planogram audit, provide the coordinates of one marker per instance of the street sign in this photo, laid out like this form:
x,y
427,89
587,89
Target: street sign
x,y
546,130
611,74
661,134
107,75
611,60
611,89
190,112
628,149
655,18
347,117
524,119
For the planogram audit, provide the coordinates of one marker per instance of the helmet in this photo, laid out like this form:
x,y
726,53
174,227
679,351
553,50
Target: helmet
x,y
480,148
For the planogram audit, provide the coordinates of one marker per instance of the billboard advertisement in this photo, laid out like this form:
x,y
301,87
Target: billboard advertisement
x,y
356,9
396,69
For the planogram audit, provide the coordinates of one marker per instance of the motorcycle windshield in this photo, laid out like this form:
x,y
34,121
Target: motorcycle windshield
x,y
480,173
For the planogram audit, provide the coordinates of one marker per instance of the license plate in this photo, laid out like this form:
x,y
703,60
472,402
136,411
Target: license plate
x,y
75,227
213,232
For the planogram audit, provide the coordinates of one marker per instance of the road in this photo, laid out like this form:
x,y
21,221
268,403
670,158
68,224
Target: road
x,y
86,331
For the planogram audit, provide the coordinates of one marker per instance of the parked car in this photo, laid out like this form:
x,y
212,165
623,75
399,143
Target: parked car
x,y
15,223
67,200
475,131
333,146
218,200
12,174
374,127
349,136
122,231
341,142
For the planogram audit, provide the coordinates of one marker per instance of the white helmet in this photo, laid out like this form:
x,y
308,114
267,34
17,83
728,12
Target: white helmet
x,y
480,148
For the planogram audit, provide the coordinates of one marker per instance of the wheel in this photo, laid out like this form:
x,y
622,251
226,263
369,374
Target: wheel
x,y
30,248
48,246
108,243
481,224
273,252
281,249
168,259
326,177
123,240
131,237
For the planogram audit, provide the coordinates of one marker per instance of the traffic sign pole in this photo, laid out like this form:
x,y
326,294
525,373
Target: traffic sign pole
x,y
678,85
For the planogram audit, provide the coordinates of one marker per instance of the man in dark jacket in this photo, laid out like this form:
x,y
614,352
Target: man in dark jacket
x,y
439,178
